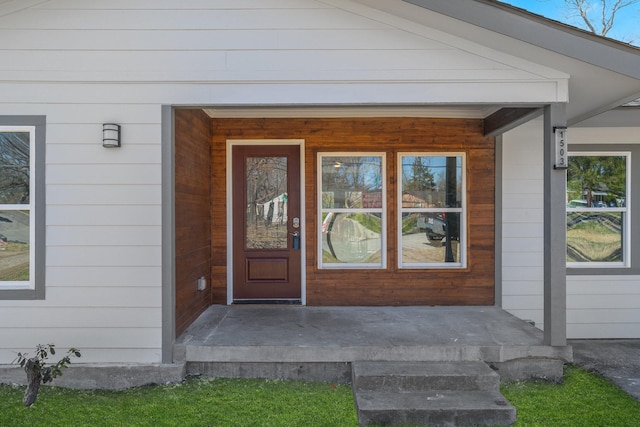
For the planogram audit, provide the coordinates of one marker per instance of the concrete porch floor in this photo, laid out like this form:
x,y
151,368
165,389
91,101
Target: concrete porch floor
x,y
226,340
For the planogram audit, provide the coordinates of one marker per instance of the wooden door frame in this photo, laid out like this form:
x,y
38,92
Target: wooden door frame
x,y
229,189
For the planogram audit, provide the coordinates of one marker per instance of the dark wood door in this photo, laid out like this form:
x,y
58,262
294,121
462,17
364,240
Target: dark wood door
x,y
267,233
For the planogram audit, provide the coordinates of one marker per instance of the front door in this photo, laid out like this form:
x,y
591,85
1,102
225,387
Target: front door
x,y
267,232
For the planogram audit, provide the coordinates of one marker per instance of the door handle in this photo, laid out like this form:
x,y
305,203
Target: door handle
x,y
295,244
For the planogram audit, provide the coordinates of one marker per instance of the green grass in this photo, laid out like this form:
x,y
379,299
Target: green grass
x,y
584,399
196,402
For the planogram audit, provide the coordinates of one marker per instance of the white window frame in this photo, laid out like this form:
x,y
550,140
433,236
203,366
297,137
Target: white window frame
x,y
626,211
30,284
462,211
382,210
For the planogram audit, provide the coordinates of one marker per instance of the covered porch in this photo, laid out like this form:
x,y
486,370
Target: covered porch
x,y
320,343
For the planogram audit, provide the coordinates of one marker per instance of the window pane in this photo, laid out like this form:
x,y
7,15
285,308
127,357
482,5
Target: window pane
x,y
431,181
431,237
594,236
267,199
352,182
596,181
352,238
14,167
14,245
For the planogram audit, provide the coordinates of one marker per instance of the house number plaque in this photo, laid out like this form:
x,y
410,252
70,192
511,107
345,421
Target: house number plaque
x,y
562,157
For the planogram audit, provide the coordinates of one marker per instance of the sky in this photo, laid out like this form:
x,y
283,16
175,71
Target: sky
x,y
626,27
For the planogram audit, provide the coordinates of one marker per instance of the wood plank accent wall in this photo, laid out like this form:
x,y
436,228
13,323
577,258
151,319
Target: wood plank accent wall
x,y
391,286
192,214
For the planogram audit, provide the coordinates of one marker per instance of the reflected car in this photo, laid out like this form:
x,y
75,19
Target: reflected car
x,y
436,226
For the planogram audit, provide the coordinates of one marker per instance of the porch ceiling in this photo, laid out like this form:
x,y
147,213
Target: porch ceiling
x,y
275,111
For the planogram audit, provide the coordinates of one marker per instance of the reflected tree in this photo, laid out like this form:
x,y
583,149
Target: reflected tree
x,y
14,167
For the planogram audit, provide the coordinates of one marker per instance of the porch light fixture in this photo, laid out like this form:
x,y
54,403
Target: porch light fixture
x,y
110,135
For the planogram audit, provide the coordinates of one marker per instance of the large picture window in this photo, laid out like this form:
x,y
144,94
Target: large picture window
x,y
598,230
352,213
16,206
432,215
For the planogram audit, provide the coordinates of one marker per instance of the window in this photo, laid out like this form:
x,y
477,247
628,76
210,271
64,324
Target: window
x,y
21,158
352,205
598,217
432,210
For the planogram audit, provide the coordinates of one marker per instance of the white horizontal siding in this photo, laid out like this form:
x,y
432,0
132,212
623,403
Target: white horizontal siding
x,y
597,306
216,39
76,235
94,317
107,276
70,194
522,223
90,340
603,306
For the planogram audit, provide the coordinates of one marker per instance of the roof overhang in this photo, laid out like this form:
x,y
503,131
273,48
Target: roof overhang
x,y
604,74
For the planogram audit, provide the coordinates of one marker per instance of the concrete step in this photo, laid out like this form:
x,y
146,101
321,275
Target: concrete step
x,y
434,408
429,393
419,376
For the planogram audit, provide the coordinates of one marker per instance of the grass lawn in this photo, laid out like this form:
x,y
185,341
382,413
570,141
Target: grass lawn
x,y
583,400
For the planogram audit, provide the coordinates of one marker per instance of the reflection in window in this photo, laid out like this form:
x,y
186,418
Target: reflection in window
x,y
352,200
267,202
15,206
597,219
14,168
432,190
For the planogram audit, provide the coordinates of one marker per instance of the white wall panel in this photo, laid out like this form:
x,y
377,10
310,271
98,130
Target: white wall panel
x,y
523,244
103,255
179,19
112,296
122,194
213,39
99,355
93,317
95,154
104,236
602,330
522,223
522,287
132,134
101,174
519,272
84,338
603,306
184,4
516,231
523,258
92,276
104,215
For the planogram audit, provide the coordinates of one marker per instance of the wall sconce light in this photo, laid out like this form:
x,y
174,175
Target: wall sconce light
x,y
110,135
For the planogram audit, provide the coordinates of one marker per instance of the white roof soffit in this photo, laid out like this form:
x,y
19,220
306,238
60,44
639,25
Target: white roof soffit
x,y
604,73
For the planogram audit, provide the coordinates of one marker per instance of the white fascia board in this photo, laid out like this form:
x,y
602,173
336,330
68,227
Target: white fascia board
x,y
409,93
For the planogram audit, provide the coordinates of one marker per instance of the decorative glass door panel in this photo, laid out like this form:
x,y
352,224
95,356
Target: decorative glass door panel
x,y
267,201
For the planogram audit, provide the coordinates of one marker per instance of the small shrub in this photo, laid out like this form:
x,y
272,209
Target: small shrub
x,y
37,370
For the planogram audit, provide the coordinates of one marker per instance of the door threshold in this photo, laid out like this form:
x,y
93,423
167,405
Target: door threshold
x,y
268,301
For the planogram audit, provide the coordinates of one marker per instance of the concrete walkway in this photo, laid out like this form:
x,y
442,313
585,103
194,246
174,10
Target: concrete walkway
x,y
616,360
